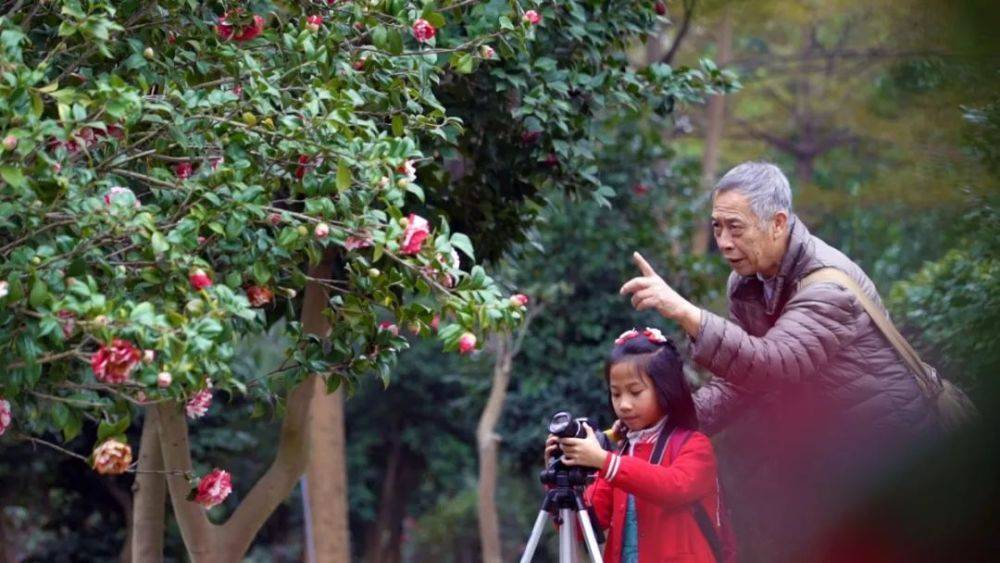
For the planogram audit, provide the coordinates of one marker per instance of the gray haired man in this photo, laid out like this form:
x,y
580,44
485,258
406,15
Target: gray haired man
x,y
816,397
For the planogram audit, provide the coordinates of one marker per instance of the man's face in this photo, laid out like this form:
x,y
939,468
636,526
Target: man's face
x,y
750,246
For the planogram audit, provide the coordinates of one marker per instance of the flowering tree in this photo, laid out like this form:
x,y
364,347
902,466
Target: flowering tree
x,y
178,175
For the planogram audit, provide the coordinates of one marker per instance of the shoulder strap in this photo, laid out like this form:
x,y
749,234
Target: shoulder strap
x,y
677,438
925,379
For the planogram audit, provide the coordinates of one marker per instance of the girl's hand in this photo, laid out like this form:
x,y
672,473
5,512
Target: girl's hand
x,y
583,451
551,443
619,430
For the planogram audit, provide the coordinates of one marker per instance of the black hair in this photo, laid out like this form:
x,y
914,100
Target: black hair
x,y
664,366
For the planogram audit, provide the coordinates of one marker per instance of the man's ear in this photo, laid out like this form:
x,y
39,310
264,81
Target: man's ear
x,y
780,224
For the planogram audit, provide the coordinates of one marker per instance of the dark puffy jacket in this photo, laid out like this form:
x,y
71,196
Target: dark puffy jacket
x,y
820,339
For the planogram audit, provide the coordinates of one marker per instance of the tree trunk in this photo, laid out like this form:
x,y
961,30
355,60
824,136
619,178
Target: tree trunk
x,y
326,476
715,120
488,442
148,496
402,473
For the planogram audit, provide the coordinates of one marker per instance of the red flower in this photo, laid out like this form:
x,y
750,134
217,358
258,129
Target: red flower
x,y
274,219
321,231
303,167
183,170
10,142
640,189
259,296
467,343
661,8
313,22
486,52
118,195
226,30
112,458
198,405
530,137
68,321
435,321
355,242
199,280
114,364
417,229
164,379
387,325
423,31
214,488
5,417
519,299
532,17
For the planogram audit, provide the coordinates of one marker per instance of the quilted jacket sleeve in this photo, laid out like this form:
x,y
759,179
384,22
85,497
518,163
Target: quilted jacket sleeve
x,y
814,326
718,403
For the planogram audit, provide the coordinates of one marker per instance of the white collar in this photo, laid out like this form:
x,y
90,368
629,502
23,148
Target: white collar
x,y
646,434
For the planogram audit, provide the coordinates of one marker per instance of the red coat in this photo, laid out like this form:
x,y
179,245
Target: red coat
x,y
663,498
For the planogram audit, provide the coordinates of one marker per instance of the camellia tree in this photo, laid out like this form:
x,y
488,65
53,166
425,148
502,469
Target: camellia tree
x,y
179,175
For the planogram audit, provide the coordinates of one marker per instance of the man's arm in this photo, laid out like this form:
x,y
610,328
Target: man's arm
x,y
718,404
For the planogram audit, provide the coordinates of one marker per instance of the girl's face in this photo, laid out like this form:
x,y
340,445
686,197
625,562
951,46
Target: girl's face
x,y
634,397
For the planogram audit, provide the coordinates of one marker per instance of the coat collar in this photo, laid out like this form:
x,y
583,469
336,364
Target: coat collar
x,y
751,288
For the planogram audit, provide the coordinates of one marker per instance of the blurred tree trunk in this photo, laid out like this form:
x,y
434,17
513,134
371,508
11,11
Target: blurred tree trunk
x,y
403,472
149,492
326,476
489,442
715,120
505,348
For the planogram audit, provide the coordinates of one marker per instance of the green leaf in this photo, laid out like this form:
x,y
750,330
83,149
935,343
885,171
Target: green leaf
x,y
462,63
395,42
463,243
143,314
39,294
344,177
435,19
159,243
71,429
108,429
505,23
12,176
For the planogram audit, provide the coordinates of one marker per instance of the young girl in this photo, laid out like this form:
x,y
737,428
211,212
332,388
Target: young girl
x,y
658,496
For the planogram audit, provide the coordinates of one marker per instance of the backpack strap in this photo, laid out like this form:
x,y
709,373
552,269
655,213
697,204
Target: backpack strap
x,y
927,381
677,439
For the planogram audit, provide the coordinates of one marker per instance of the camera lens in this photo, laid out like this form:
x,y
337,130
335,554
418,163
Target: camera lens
x,y
560,422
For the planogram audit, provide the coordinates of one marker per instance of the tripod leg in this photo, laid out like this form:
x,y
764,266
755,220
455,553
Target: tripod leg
x,y
567,547
536,534
588,535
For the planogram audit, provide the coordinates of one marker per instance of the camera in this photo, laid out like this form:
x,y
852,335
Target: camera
x,y
564,425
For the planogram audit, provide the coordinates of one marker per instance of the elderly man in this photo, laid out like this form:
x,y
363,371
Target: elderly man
x,y
816,397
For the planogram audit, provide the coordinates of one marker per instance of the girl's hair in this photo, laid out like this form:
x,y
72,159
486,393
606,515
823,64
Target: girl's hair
x,y
663,364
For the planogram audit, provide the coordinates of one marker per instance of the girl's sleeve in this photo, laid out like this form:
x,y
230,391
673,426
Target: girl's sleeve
x,y
690,477
598,495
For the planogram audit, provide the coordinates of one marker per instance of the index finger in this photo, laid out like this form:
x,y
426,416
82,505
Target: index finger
x,y
644,266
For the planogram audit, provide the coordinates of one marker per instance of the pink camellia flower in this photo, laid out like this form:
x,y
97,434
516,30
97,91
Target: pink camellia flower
x,y
226,31
213,488
387,325
446,278
321,231
408,170
10,142
183,170
423,31
164,379
417,229
660,8
356,242
5,416
530,137
114,363
313,23
466,343
216,161
197,406
487,52
259,295
148,356
68,322
120,196
640,189
274,219
519,299
201,240
532,17
112,457
199,280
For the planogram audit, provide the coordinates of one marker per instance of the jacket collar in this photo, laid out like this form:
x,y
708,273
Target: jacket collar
x,y
751,288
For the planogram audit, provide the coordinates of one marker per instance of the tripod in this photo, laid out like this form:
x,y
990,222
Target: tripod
x,y
561,502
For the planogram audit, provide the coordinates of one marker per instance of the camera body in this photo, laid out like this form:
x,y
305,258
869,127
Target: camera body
x,y
564,425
